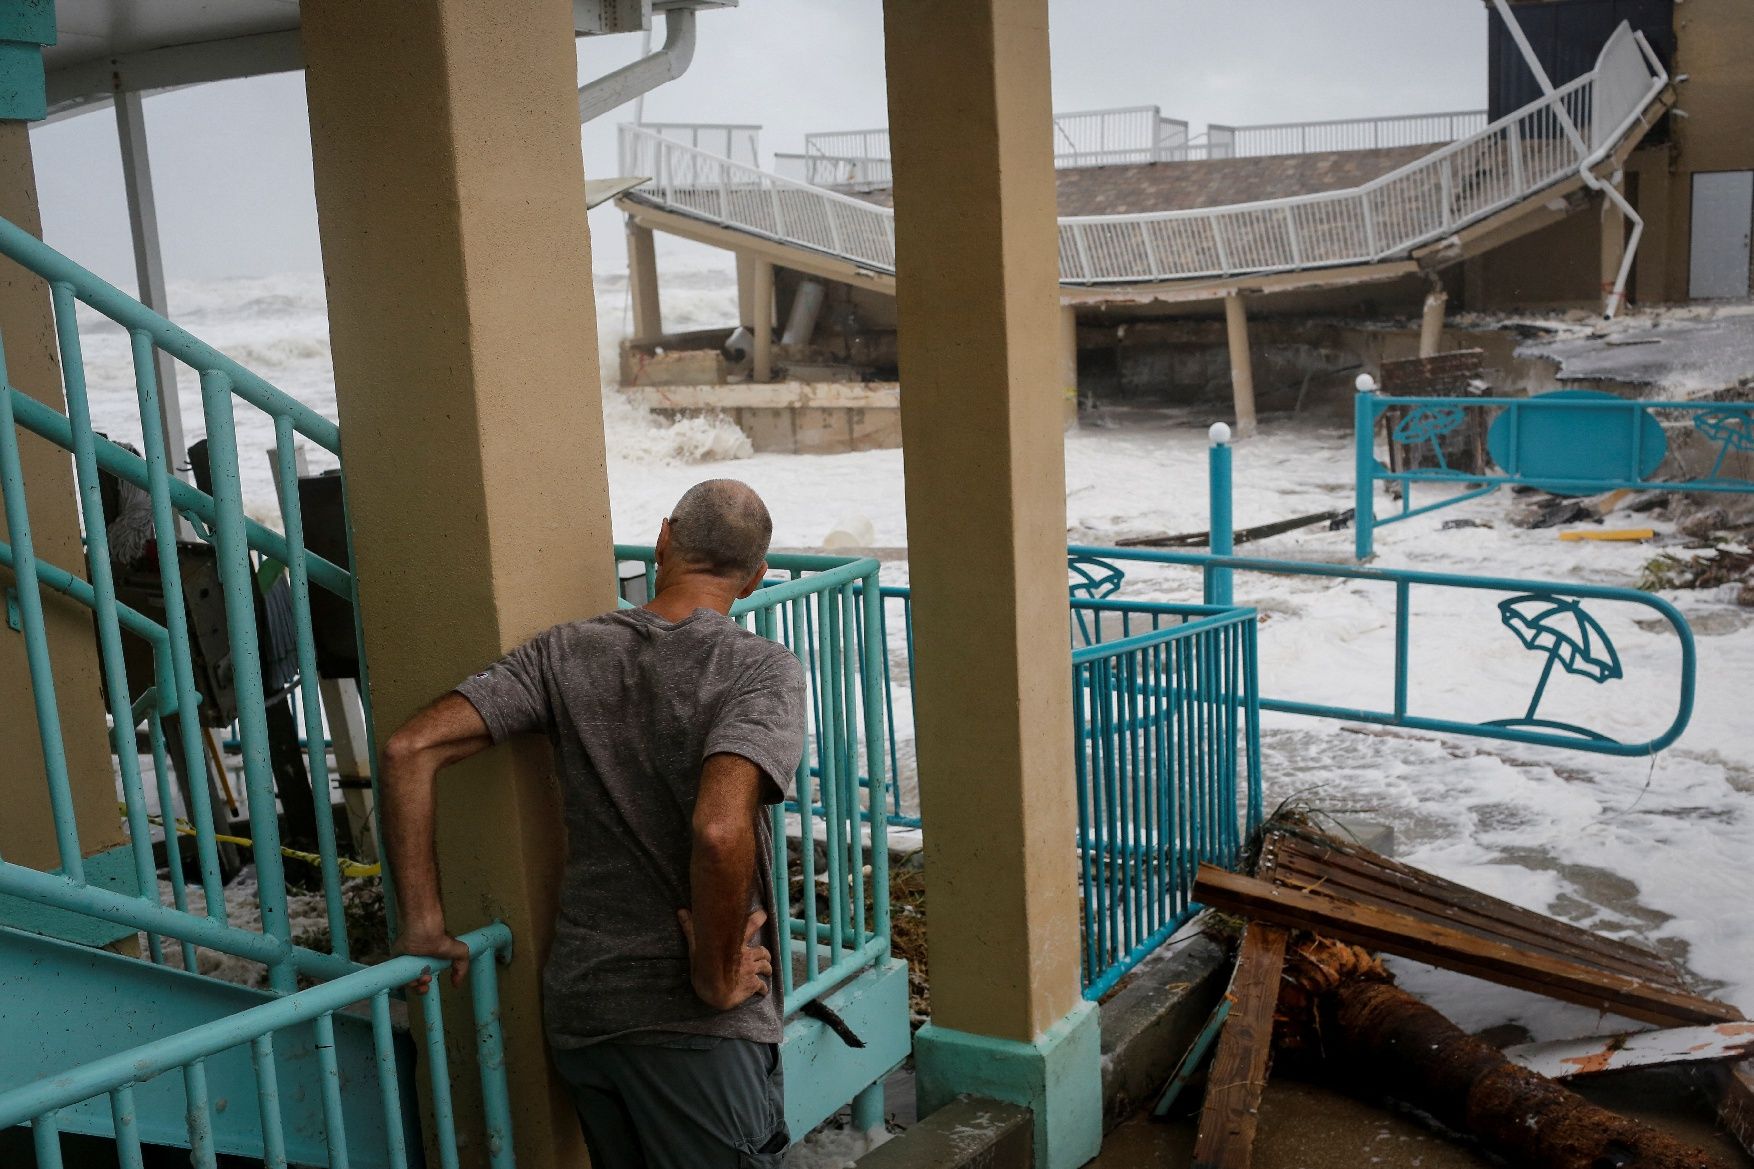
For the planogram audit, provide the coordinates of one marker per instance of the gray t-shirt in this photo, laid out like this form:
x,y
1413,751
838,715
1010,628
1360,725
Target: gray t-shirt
x,y
634,705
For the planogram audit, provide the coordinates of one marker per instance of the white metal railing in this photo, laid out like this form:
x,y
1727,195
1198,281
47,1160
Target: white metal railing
x,y
1432,197
720,190
735,141
1129,134
1351,133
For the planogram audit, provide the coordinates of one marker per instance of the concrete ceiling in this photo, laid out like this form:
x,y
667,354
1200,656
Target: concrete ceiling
x,y
162,44
96,30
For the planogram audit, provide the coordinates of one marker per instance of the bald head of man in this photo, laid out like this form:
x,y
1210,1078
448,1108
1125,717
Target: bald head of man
x,y
720,528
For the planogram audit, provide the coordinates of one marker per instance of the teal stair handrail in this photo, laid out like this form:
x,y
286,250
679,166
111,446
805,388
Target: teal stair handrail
x,y
216,516
32,253
116,1075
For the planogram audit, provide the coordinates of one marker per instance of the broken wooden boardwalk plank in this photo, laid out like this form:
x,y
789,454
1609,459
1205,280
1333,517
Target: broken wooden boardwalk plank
x,y
1458,950
1565,1058
1239,1067
1375,879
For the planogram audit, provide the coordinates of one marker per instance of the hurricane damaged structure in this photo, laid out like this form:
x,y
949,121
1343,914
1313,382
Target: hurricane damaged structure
x,y
1610,167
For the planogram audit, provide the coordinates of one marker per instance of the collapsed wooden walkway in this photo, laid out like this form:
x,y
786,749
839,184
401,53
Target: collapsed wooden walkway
x,y
1308,881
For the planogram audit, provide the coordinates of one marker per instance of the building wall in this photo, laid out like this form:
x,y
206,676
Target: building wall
x,y
1560,265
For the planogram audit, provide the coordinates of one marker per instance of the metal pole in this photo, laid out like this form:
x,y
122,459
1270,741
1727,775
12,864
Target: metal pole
x,y
1222,535
149,264
1364,468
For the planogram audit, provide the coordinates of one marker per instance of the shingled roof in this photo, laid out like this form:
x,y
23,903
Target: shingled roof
x,y
1177,186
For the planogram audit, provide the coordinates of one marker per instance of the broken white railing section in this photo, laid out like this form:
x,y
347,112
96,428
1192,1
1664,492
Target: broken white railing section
x,y
1564,1058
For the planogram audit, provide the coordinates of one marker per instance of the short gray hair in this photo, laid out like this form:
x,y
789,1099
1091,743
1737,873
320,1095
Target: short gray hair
x,y
722,527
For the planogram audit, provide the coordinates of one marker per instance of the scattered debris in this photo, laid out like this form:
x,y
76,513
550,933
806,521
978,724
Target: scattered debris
x,y
1458,525
1702,568
1611,1053
1705,523
1554,510
1305,984
1648,501
1335,519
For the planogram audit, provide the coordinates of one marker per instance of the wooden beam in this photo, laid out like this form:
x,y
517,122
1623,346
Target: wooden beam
x,y
1239,1067
1207,288
1452,949
1361,875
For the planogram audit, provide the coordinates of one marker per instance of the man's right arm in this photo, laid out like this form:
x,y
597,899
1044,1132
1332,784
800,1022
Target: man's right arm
x,y
725,968
447,732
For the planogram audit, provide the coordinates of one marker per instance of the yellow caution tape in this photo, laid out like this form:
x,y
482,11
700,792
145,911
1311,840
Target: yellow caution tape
x,y
347,866
1628,535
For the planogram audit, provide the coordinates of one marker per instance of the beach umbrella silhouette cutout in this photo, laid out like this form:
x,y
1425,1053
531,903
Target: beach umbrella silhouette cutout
x,y
1093,578
1429,424
1735,431
1569,637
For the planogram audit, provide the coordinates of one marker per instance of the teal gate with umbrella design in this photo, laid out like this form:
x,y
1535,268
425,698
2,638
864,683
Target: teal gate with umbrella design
x,y
1568,442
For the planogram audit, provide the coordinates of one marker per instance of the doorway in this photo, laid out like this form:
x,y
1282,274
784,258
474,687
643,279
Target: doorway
x,y
1723,218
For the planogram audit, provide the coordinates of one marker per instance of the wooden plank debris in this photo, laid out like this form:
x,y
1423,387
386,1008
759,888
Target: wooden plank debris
x,y
1239,1067
1465,952
1334,518
1565,1058
1323,864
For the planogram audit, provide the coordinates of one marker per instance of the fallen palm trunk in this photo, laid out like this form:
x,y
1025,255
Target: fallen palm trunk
x,y
1382,1039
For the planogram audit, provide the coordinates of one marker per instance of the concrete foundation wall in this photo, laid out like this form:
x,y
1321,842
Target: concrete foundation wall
x,y
791,417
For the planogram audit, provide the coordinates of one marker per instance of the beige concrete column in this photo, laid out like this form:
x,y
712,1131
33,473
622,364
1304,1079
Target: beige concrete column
x,y
464,339
1069,365
1242,369
1650,271
27,326
761,305
746,290
1431,322
981,361
642,279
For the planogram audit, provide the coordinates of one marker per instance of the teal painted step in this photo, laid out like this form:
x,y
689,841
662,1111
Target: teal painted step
x,y
112,869
63,1005
822,1072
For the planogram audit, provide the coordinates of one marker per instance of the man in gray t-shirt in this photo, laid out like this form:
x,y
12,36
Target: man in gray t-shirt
x,y
671,727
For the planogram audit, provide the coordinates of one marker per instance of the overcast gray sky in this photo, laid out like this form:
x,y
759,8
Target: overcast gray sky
x,y
232,167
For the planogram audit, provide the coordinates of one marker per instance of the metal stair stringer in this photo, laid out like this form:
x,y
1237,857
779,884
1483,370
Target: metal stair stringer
x,y
71,1004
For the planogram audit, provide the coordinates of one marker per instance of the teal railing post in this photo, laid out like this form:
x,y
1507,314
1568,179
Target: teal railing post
x,y
1364,470
1222,536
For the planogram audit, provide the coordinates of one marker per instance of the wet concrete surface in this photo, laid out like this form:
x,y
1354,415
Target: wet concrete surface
x,y
1307,1126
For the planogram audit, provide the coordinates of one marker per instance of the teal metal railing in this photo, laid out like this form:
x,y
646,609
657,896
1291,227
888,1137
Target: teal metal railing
x,y
237,546
162,703
1555,623
1570,442
1167,770
827,611
240,1053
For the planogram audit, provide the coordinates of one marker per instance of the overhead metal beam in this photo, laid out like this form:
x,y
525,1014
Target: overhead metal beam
x,y
93,84
149,262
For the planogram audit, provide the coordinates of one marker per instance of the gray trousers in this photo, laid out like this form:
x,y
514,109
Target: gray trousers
x,y
685,1102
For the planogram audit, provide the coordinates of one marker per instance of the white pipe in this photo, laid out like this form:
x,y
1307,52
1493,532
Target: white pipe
x,y
646,74
1608,190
